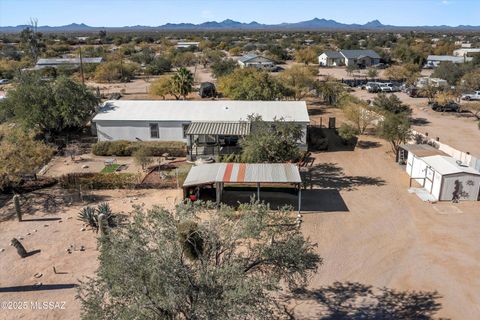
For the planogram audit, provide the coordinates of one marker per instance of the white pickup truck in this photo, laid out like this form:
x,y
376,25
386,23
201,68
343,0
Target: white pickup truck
x,y
471,96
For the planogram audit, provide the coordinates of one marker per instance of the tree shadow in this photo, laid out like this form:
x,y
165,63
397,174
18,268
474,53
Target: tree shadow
x,y
42,287
419,121
331,176
368,144
353,300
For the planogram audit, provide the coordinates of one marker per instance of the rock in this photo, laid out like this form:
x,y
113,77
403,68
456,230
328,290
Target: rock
x,y
82,248
45,225
28,233
85,166
38,275
38,284
69,218
60,221
1,249
20,238
83,229
35,230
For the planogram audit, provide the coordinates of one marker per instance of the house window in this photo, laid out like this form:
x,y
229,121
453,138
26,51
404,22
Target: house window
x,y
184,128
154,134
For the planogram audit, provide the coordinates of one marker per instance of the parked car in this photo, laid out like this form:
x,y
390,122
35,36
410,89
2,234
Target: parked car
x,y
389,87
449,107
4,81
471,96
373,87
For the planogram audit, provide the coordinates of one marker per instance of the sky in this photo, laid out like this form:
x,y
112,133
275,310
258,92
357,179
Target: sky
x,y
117,13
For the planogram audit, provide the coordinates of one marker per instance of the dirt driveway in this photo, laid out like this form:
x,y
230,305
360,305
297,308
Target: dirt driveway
x,y
384,236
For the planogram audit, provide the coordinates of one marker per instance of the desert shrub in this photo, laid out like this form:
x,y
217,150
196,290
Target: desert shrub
x,y
99,181
128,148
347,132
89,216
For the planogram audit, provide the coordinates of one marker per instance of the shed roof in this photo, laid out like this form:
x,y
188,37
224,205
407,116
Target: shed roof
x,y
201,111
252,56
422,150
243,173
59,61
355,54
219,128
447,165
453,59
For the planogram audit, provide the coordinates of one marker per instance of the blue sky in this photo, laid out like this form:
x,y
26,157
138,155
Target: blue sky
x,y
114,13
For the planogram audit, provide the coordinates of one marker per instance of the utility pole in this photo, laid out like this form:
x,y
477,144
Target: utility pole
x,y
81,66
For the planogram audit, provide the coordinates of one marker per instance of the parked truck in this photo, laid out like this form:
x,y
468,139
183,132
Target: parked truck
x,y
471,96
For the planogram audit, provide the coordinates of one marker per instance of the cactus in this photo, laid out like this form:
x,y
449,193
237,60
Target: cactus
x,y
102,224
20,248
16,201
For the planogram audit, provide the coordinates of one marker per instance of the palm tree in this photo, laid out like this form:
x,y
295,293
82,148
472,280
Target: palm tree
x,y
182,83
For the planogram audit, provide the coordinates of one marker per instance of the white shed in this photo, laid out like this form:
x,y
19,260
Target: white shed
x,y
444,177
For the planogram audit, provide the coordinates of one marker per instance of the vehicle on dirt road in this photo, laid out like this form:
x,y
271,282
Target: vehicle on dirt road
x,y
449,107
471,96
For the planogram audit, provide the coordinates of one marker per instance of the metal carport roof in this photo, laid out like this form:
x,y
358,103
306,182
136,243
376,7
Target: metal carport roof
x,y
243,173
219,128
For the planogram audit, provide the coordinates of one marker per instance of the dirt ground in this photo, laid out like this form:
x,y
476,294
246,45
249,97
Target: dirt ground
x,y
384,236
460,132
53,231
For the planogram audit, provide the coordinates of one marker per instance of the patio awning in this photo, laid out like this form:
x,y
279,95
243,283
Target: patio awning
x,y
219,128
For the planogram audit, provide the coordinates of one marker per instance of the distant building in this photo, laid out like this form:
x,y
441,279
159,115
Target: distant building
x,y
359,58
64,62
434,61
186,44
331,59
466,52
256,61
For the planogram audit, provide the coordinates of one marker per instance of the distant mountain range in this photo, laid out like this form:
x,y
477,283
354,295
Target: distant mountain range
x,y
314,24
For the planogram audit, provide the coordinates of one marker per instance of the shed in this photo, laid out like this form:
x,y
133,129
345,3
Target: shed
x,y
219,174
444,177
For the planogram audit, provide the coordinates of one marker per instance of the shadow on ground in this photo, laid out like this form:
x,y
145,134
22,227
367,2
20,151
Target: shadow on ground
x,y
42,287
419,122
365,144
331,176
316,200
353,300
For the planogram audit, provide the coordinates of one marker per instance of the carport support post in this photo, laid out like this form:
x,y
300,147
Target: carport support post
x,y
258,191
218,191
299,199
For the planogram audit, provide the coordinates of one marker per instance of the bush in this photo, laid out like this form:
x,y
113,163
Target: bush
x,y
127,148
347,132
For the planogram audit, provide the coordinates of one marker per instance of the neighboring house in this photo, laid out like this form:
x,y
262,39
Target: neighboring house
x,y
359,58
187,44
440,175
65,62
256,61
331,59
208,127
433,61
466,52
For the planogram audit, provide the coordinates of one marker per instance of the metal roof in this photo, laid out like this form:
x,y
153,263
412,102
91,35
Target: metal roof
x,y
422,150
355,54
333,54
252,56
201,111
219,128
243,173
59,61
447,165
453,59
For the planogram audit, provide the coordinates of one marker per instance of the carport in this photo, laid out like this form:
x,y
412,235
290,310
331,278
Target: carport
x,y
258,174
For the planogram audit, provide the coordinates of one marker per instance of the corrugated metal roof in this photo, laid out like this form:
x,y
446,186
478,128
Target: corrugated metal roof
x,y
219,128
201,111
243,173
453,59
252,56
447,165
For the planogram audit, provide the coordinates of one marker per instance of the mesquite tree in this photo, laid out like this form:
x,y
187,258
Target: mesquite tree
x,y
174,265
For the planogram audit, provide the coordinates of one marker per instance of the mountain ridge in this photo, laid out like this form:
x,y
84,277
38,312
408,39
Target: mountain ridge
x,y
229,24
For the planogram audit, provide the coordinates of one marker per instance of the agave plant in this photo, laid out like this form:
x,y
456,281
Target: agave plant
x,y
89,216
104,208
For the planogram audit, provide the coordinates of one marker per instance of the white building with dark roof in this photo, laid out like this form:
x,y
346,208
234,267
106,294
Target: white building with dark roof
x,y
359,58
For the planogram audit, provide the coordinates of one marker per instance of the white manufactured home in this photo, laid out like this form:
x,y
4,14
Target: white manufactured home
x,y
214,123
444,177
